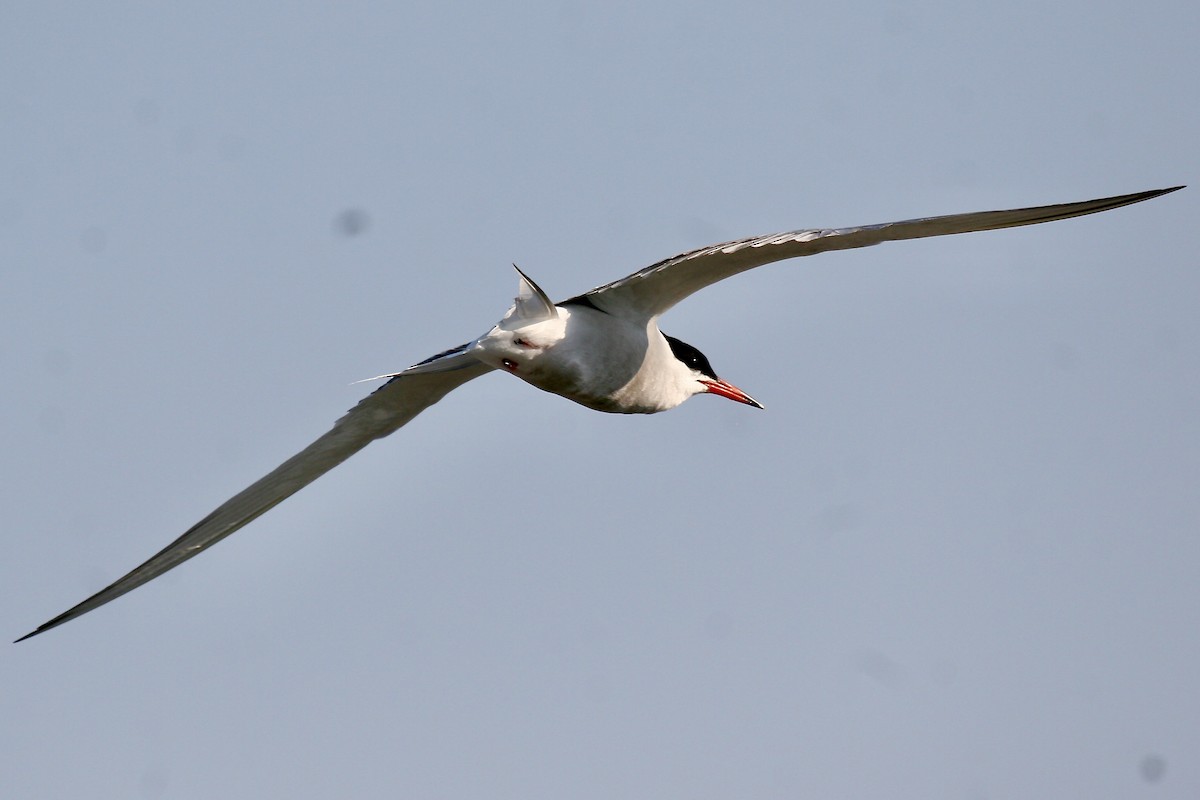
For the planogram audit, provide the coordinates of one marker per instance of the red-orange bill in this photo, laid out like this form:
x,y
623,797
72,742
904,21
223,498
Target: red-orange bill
x,y
730,391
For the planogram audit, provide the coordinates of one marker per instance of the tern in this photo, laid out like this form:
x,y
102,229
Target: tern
x,y
602,349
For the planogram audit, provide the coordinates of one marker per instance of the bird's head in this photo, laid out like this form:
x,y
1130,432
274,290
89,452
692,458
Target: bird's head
x,y
698,375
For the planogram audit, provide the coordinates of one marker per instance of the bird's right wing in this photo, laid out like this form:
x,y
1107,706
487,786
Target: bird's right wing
x,y
383,411
651,291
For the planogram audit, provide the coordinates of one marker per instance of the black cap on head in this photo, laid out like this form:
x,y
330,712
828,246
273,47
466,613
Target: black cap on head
x,y
690,356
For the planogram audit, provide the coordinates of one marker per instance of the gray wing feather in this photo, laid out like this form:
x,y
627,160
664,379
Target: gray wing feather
x,y
656,288
385,410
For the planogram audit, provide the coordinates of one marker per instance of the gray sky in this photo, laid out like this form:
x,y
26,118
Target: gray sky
x,y
957,556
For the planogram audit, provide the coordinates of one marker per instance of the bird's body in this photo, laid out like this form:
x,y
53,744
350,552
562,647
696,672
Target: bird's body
x,y
602,349
601,361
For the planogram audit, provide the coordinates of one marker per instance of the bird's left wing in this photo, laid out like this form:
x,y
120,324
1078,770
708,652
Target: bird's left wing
x,y
383,411
653,290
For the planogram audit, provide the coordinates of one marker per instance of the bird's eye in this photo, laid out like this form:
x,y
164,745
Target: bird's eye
x,y
519,342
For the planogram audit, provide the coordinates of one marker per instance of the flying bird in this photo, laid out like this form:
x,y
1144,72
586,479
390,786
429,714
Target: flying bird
x,y
603,349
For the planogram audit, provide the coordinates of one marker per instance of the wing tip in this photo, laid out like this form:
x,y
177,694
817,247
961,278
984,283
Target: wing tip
x,y
1139,197
1160,192
66,616
31,634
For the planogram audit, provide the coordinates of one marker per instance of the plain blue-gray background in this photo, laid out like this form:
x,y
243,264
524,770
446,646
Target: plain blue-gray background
x,y
957,556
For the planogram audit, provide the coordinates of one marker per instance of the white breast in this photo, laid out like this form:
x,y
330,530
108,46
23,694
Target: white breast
x,y
598,360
